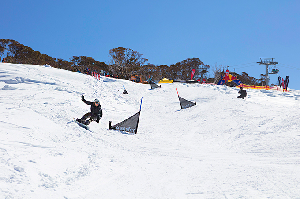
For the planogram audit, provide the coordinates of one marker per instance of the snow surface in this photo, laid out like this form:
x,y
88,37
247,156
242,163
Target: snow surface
x,y
223,147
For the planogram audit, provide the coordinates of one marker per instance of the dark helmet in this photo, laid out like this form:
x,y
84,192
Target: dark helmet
x,y
96,101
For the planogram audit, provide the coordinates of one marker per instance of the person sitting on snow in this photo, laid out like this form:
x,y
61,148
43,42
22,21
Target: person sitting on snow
x,y
94,115
243,93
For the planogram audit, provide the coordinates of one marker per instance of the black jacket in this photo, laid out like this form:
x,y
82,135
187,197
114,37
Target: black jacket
x,y
95,110
243,93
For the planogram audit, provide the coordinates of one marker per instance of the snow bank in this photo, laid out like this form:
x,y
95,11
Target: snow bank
x,y
223,147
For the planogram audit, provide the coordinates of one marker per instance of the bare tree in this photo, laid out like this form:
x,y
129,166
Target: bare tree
x,y
125,61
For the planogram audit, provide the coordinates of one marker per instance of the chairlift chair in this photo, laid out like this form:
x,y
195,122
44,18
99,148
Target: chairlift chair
x,y
274,71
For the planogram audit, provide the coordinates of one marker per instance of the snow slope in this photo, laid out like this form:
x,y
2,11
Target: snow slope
x,y
223,147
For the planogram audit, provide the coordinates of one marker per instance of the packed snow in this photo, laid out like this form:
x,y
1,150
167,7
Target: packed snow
x,y
223,147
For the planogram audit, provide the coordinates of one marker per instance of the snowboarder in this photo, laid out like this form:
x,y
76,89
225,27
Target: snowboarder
x,y
94,115
125,91
243,93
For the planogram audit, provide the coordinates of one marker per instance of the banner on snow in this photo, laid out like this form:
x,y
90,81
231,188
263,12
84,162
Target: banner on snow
x,y
185,103
130,124
153,86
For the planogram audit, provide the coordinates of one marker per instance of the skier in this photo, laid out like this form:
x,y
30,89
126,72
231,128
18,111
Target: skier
x,y
94,115
243,93
286,82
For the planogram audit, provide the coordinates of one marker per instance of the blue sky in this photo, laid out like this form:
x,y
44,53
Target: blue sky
x,y
234,33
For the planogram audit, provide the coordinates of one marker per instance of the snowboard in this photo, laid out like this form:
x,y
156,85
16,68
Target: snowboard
x,y
82,125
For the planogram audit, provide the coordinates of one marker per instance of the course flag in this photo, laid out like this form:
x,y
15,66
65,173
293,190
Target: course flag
x,y
130,124
185,103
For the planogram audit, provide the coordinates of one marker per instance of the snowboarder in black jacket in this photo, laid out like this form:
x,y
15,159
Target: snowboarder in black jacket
x,y
243,93
94,115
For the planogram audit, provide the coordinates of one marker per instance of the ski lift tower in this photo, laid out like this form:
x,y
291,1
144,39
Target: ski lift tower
x,y
267,62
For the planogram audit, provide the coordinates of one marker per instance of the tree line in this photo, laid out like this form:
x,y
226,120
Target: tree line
x,y
124,63
12,51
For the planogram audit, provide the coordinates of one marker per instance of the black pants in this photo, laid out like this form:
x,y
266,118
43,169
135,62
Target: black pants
x,y
240,97
88,116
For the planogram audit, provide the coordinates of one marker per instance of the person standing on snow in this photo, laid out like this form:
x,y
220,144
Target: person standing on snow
x,y
94,115
286,82
243,93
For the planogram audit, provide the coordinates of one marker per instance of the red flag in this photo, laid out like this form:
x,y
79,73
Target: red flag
x,y
192,74
283,84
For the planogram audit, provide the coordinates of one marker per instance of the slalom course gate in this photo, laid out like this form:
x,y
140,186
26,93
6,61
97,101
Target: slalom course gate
x,y
153,86
130,124
185,103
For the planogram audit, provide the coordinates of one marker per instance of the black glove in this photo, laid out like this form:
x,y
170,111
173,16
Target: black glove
x,y
82,97
97,120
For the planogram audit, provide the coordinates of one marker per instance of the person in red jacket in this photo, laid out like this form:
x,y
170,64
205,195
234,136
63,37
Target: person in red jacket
x,y
94,115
